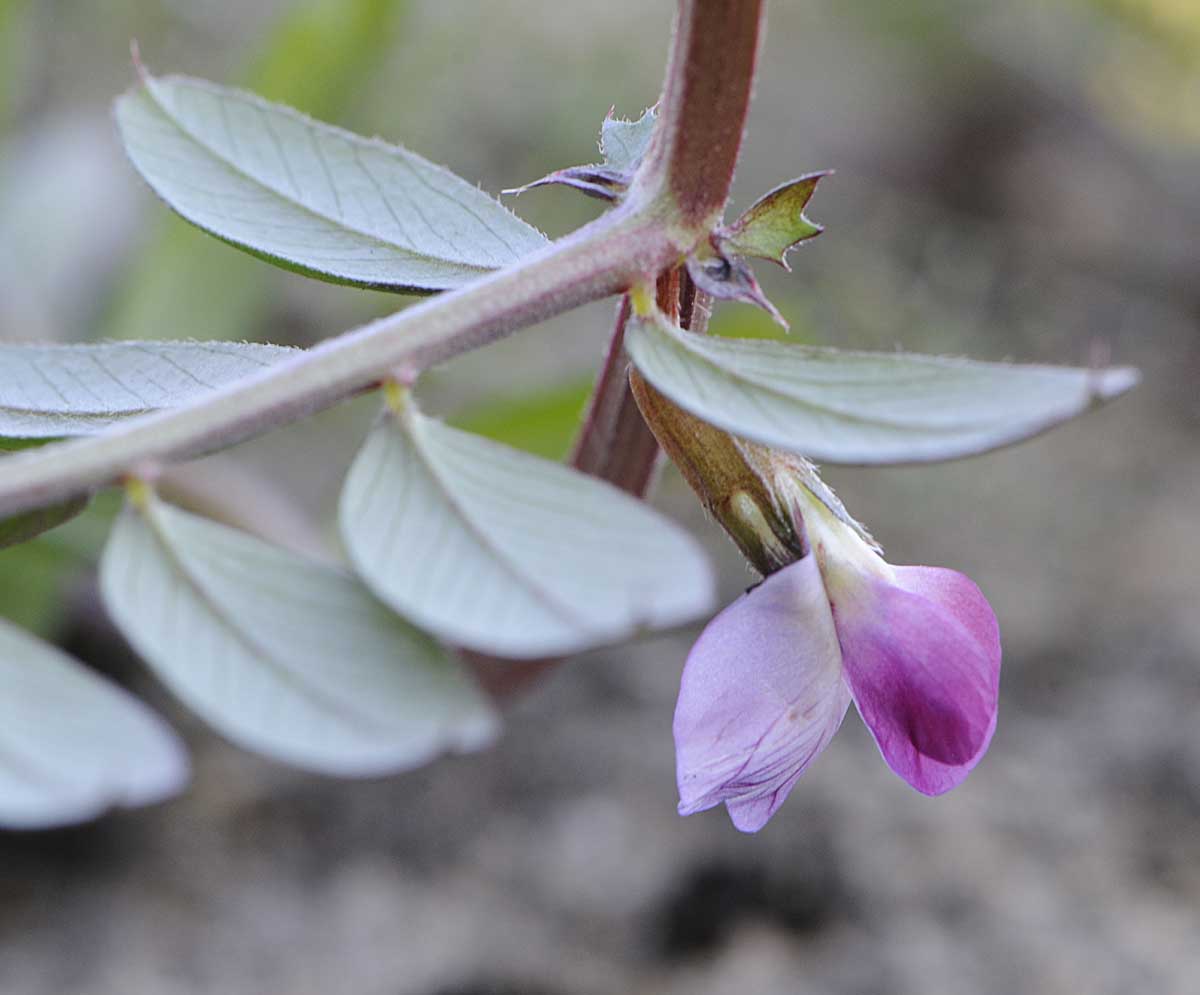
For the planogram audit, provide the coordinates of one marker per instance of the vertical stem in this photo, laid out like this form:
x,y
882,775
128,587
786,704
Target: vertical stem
x,y
614,443
706,97
592,443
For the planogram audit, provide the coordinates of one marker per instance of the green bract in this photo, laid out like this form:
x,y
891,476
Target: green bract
x,y
774,223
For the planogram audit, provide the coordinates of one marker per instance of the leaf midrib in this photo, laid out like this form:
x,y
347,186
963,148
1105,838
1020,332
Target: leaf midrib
x,y
991,425
564,610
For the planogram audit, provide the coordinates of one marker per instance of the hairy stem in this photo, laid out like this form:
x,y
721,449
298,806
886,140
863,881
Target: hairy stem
x,y
601,259
614,443
594,441
705,100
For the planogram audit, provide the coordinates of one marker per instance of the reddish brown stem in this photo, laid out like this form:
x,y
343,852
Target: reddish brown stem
x,y
614,443
705,100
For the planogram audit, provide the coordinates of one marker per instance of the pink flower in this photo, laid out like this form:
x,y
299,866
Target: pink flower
x,y
917,649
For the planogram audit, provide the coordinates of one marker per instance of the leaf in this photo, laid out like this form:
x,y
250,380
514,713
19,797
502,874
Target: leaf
x,y
592,180
282,655
863,407
72,745
23,527
622,143
311,197
774,223
49,391
506,553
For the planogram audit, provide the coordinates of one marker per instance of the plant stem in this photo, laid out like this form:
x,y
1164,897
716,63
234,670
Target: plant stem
x,y
705,100
598,260
594,442
614,443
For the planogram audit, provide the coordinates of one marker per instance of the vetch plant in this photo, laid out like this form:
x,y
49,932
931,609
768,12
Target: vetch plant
x,y
473,567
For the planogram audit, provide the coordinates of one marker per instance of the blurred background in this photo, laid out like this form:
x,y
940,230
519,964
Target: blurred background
x,y
1016,180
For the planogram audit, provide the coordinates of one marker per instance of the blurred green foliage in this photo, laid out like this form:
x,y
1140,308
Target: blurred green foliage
x,y
1172,24
542,422
32,580
34,576
753,323
13,445
322,54
1147,79
11,22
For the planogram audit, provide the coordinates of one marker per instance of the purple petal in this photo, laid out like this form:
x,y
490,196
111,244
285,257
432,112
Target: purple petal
x,y
761,696
922,658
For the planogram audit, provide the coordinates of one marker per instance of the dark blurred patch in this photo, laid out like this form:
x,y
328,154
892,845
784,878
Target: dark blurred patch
x,y
72,849
714,897
89,636
1163,794
1174,786
488,987
1039,679
297,826
42,869
952,908
971,170
416,819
